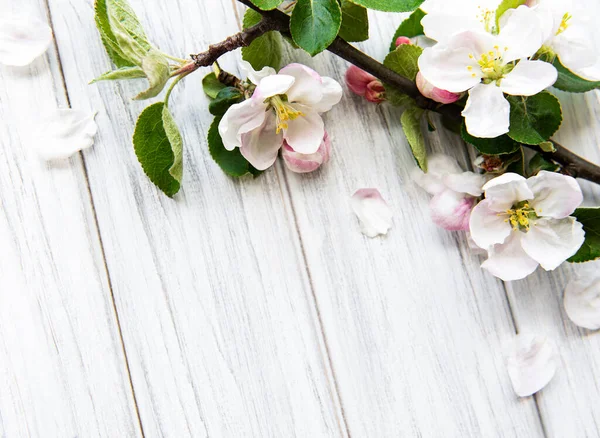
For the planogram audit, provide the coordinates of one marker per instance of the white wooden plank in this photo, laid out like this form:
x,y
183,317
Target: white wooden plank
x,y
217,316
414,327
62,368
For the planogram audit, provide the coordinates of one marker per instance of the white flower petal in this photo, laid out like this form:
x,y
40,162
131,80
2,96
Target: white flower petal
x,y
508,261
552,241
506,190
465,182
521,34
439,165
575,47
451,210
256,76
440,26
372,211
487,113
272,85
23,39
65,133
241,118
475,249
308,85
556,195
531,363
260,146
332,94
305,133
529,78
582,301
487,226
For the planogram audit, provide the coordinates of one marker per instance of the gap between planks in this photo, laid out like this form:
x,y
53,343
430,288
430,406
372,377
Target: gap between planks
x,y
62,81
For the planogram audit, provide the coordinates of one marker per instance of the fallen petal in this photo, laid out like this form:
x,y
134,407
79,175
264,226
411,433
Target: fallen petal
x,y
23,39
65,133
373,212
582,301
531,363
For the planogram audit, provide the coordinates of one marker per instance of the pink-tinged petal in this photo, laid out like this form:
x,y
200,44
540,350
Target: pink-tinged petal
x,y
64,133
402,40
332,94
304,163
531,363
240,119
529,78
373,212
582,301
487,227
271,86
487,113
521,34
428,90
508,261
358,79
465,182
307,88
256,76
22,39
260,146
506,190
451,210
439,165
305,133
375,92
556,195
552,241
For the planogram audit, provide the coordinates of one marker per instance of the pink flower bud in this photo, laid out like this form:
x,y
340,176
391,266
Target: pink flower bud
x,y
375,92
358,80
434,93
304,163
403,40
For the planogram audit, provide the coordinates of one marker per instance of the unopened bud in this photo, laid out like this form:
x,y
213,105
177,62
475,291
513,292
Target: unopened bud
x,y
375,92
358,80
403,40
434,93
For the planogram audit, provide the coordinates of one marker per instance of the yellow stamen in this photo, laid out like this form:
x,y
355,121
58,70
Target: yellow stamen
x,y
284,112
564,24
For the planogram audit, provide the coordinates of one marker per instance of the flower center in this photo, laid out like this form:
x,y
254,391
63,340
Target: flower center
x,y
520,215
284,111
492,65
564,24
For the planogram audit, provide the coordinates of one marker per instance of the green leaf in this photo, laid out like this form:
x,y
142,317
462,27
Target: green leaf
x,y
266,50
590,250
411,124
538,163
505,6
404,61
211,85
491,146
390,5
569,81
355,22
267,5
411,27
315,24
226,97
516,163
158,147
157,70
534,119
129,34
231,162
108,37
122,73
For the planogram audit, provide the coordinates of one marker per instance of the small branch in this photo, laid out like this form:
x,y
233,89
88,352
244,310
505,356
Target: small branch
x,y
572,163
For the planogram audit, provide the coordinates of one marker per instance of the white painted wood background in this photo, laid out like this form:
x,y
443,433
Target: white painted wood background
x,y
254,308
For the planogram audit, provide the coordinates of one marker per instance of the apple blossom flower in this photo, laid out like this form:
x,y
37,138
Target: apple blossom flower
x,y
365,84
401,40
373,213
434,93
304,163
568,31
523,223
285,106
484,64
454,191
23,39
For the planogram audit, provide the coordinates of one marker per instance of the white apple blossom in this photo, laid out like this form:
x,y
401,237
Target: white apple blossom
x,y
568,32
284,106
523,223
489,66
454,191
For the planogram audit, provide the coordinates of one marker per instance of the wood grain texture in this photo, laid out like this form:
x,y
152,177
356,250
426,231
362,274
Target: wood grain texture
x,y
62,368
219,324
414,327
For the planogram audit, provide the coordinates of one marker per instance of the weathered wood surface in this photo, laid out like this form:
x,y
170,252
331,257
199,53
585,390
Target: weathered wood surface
x,y
255,307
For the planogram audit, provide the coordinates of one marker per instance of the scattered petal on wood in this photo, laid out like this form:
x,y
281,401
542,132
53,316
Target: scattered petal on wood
x,y
23,39
373,212
65,133
531,363
582,301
